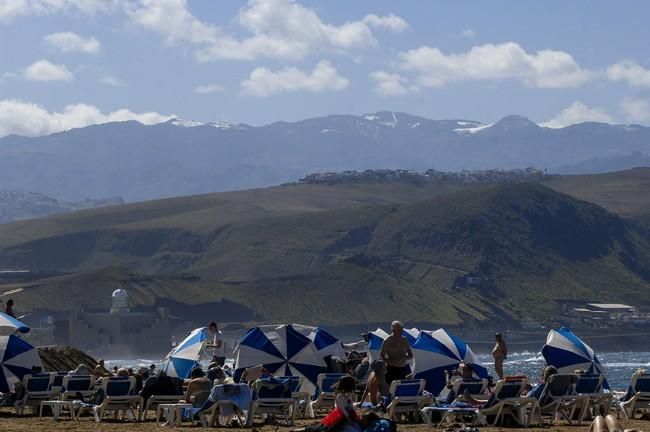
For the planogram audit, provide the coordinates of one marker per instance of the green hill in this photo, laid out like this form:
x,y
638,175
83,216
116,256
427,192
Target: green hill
x,y
340,254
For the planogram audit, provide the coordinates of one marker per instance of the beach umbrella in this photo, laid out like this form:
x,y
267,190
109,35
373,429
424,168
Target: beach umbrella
x,y
567,352
186,356
283,351
376,339
326,344
10,325
17,357
438,351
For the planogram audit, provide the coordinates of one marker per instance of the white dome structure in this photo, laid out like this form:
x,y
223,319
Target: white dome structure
x,y
120,301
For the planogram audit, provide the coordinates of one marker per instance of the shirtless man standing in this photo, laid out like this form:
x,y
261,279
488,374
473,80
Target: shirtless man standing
x,y
396,352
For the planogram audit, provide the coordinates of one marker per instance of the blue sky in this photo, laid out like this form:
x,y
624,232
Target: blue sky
x,y
67,63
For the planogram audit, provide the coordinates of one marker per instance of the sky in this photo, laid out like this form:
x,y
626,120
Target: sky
x,y
69,63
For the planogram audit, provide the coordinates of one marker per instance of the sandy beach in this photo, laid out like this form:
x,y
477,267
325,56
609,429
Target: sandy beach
x,y
27,423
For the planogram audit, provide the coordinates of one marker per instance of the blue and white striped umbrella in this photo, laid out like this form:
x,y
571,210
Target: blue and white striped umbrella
x,y
326,343
567,352
10,325
283,351
438,351
17,357
186,356
376,339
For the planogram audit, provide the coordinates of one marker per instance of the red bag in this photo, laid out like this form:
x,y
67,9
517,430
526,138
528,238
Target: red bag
x,y
334,417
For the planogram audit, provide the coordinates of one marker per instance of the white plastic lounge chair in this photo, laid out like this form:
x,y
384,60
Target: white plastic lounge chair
x,y
325,394
154,400
272,397
77,387
302,398
591,398
637,398
407,396
37,389
118,397
506,401
559,399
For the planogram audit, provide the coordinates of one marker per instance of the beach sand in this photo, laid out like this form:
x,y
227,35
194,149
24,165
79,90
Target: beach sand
x,y
10,422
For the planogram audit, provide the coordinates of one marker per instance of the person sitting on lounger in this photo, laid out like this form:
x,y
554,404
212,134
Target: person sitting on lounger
x,y
199,385
101,371
537,391
161,385
465,372
396,352
377,387
82,369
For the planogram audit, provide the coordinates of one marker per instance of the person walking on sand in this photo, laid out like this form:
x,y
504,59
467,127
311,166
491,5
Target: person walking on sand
x,y
499,353
9,309
396,352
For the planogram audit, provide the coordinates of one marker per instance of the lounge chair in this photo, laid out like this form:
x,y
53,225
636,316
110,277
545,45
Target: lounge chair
x,y
591,398
37,389
559,399
56,384
325,394
406,396
152,402
637,397
77,387
477,388
118,396
272,397
302,398
506,401
226,400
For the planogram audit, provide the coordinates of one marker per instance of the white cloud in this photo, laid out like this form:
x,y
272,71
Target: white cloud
x,y
209,88
25,118
69,42
282,29
10,9
112,81
391,84
468,33
264,82
578,112
545,68
630,72
636,110
44,70
390,22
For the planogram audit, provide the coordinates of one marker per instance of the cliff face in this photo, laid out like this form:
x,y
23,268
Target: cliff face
x,y
64,358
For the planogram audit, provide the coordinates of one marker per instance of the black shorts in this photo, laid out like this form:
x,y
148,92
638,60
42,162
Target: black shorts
x,y
394,373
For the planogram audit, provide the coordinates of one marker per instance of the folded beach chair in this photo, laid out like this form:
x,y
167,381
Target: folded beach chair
x,y
325,394
637,397
590,397
272,396
77,387
226,400
37,389
118,397
407,396
559,399
152,402
506,402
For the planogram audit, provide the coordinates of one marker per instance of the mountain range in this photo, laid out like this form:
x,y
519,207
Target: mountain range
x,y
179,157
349,253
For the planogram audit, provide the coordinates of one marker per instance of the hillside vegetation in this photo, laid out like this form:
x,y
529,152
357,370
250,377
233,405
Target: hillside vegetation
x,y
340,254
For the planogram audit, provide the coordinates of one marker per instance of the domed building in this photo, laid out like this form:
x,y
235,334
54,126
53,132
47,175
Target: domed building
x,y
119,332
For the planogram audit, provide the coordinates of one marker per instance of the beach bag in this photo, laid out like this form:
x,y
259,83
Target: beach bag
x,y
334,418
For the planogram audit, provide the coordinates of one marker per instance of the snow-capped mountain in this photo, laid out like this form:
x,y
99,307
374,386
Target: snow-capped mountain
x,y
181,157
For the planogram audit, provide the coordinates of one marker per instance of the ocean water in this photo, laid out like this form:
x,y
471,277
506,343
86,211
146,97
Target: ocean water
x,y
619,366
